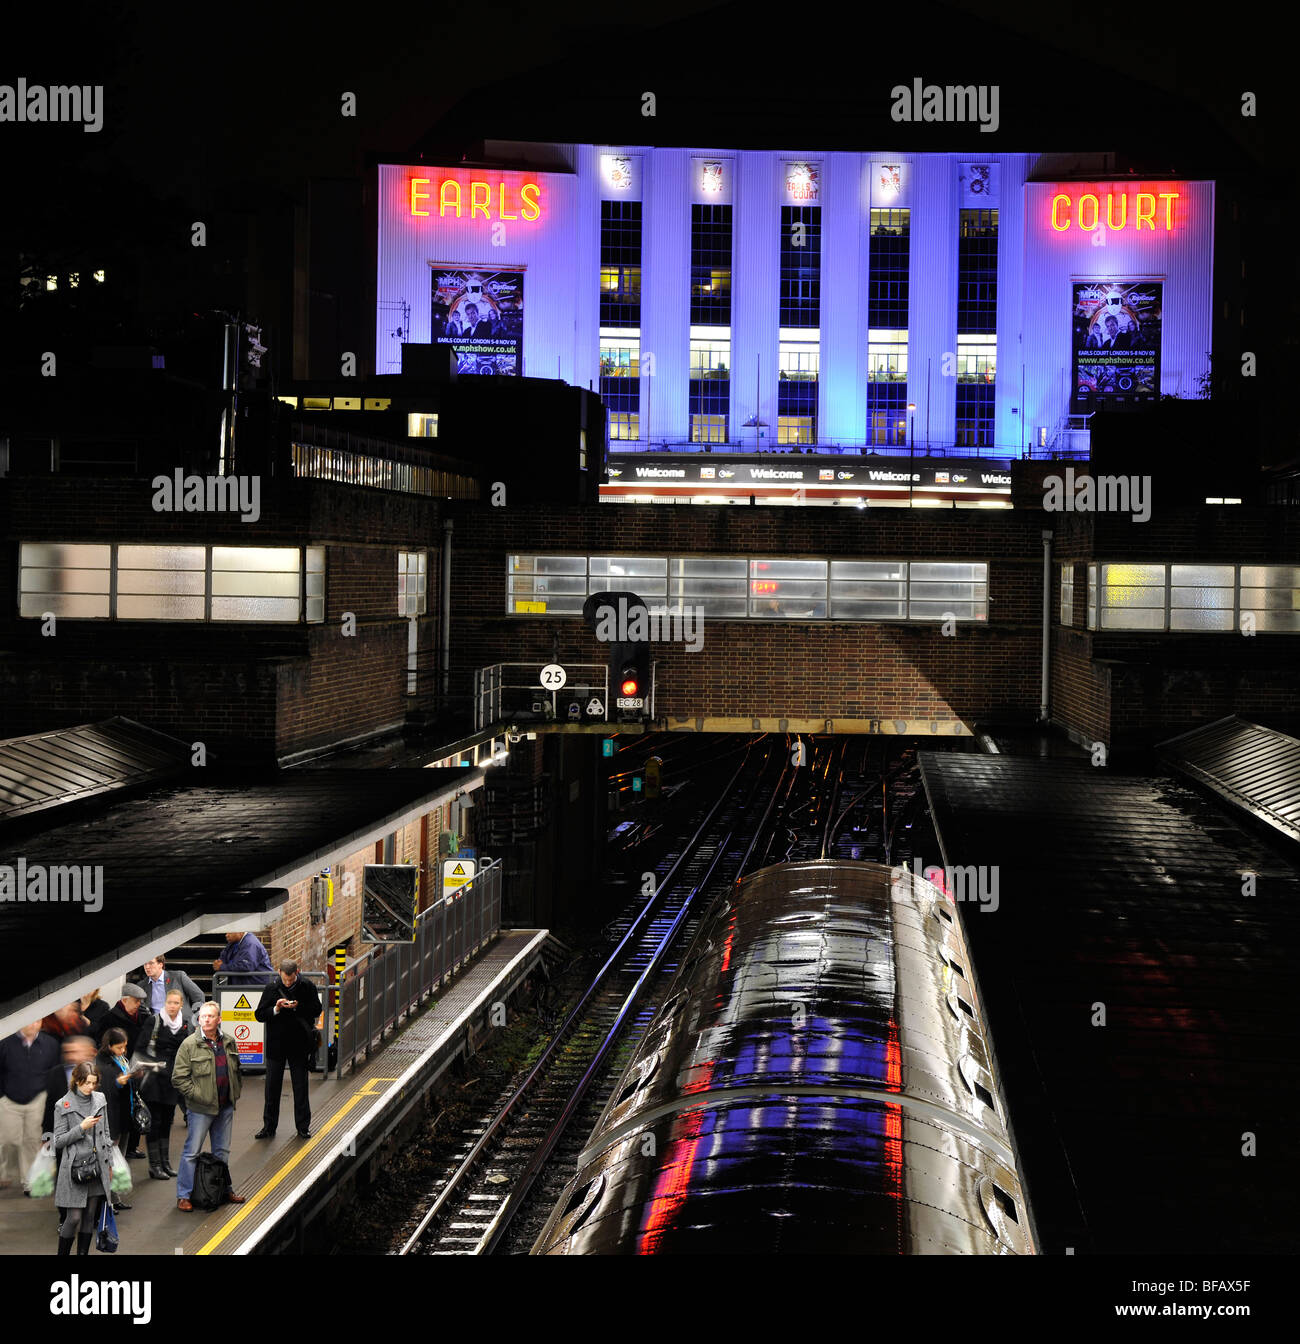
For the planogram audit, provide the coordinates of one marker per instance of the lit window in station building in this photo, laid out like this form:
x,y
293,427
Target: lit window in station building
x,y
422,425
412,583
1192,598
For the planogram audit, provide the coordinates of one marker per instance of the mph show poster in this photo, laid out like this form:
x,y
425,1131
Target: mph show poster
x,y
1116,342
480,314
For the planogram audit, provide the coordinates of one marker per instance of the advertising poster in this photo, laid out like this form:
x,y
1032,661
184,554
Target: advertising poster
x,y
480,314
1116,342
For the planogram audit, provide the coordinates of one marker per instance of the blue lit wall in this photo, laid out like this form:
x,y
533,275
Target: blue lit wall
x,y
1036,268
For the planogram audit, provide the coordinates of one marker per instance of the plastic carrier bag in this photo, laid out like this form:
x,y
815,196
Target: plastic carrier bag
x,y
121,1183
40,1176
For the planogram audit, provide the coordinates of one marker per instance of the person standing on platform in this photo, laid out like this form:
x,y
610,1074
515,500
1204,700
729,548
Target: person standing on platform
x,y
95,1011
245,960
165,1039
206,1074
81,1131
159,983
26,1058
130,1016
289,1008
118,1082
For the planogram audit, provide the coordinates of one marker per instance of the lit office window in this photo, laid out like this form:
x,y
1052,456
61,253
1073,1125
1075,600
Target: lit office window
x,y
939,591
710,383
161,583
421,425
552,585
708,429
1271,594
68,580
624,425
412,578
868,590
620,263
715,586
787,589
797,429
173,582
645,575
1092,597
800,296
1067,594
1132,597
1201,597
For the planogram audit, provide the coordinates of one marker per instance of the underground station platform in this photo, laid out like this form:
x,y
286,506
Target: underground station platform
x,y
286,1181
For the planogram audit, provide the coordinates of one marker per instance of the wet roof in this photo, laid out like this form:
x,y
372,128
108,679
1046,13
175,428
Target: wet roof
x,y
1251,767
49,769
176,853
1130,893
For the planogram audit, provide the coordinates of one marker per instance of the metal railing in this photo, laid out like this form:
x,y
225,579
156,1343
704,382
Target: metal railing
x,y
513,691
389,987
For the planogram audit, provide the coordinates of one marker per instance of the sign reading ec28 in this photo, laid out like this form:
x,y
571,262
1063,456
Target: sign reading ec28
x,y
475,198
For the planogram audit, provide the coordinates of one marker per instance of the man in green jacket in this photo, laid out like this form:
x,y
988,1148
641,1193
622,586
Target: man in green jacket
x,y
206,1074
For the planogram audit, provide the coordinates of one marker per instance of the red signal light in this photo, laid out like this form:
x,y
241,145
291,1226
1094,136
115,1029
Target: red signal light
x,y
630,686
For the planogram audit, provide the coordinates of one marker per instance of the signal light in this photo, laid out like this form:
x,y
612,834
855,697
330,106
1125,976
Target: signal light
x,y
630,686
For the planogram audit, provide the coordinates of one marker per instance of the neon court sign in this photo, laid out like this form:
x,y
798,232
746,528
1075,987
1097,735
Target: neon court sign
x,y
1119,211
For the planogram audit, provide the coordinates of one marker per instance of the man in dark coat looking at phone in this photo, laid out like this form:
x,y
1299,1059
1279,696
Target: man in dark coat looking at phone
x,y
289,1008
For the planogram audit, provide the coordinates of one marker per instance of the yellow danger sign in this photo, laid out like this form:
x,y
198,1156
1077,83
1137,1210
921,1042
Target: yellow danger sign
x,y
455,873
242,1003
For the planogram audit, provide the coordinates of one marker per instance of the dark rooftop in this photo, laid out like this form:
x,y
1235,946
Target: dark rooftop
x,y
1129,892
176,853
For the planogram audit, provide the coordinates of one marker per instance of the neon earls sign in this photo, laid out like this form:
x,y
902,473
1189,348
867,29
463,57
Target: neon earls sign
x,y
1117,207
454,193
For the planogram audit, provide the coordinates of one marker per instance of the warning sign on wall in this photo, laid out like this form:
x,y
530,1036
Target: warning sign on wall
x,y
237,1020
455,873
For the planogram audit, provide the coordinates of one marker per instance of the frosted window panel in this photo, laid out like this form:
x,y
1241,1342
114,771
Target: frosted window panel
x,y
259,558
1134,618
940,611
977,573
131,607
692,588
940,592
1278,622
884,589
793,609
619,566
254,585
315,585
788,569
1201,598
1270,576
65,581
711,568
254,609
847,609
1131,575
1270,599
549,564
1201,575
548,583
316,559
1135,597
643,587
160,581
160,557
555,605
55,555
73,605
790,588
868,569
316,609
1186,619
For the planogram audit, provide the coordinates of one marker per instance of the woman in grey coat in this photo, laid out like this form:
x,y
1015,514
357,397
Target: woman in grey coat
x,y
81,1128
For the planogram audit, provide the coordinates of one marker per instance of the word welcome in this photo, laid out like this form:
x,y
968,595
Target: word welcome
x,y
59,102
38,883
480,199
947,102
676,625
125,1297
179,493
1100,494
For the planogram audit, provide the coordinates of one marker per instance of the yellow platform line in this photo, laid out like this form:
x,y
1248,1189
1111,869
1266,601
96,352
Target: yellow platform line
x,y
284,1171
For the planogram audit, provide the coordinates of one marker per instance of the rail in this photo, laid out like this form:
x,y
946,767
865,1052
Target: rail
x,y
513,691
389,987
453,1187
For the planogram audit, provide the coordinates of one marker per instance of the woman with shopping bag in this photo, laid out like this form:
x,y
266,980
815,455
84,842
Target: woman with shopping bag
x,y
118,1080
85,1151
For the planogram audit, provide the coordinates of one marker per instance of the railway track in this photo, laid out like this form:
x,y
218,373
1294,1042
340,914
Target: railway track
x,y
516,1162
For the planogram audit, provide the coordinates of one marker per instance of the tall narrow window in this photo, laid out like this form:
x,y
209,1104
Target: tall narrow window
x,y
1067,594
710,393
977,325
888,422
620,316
